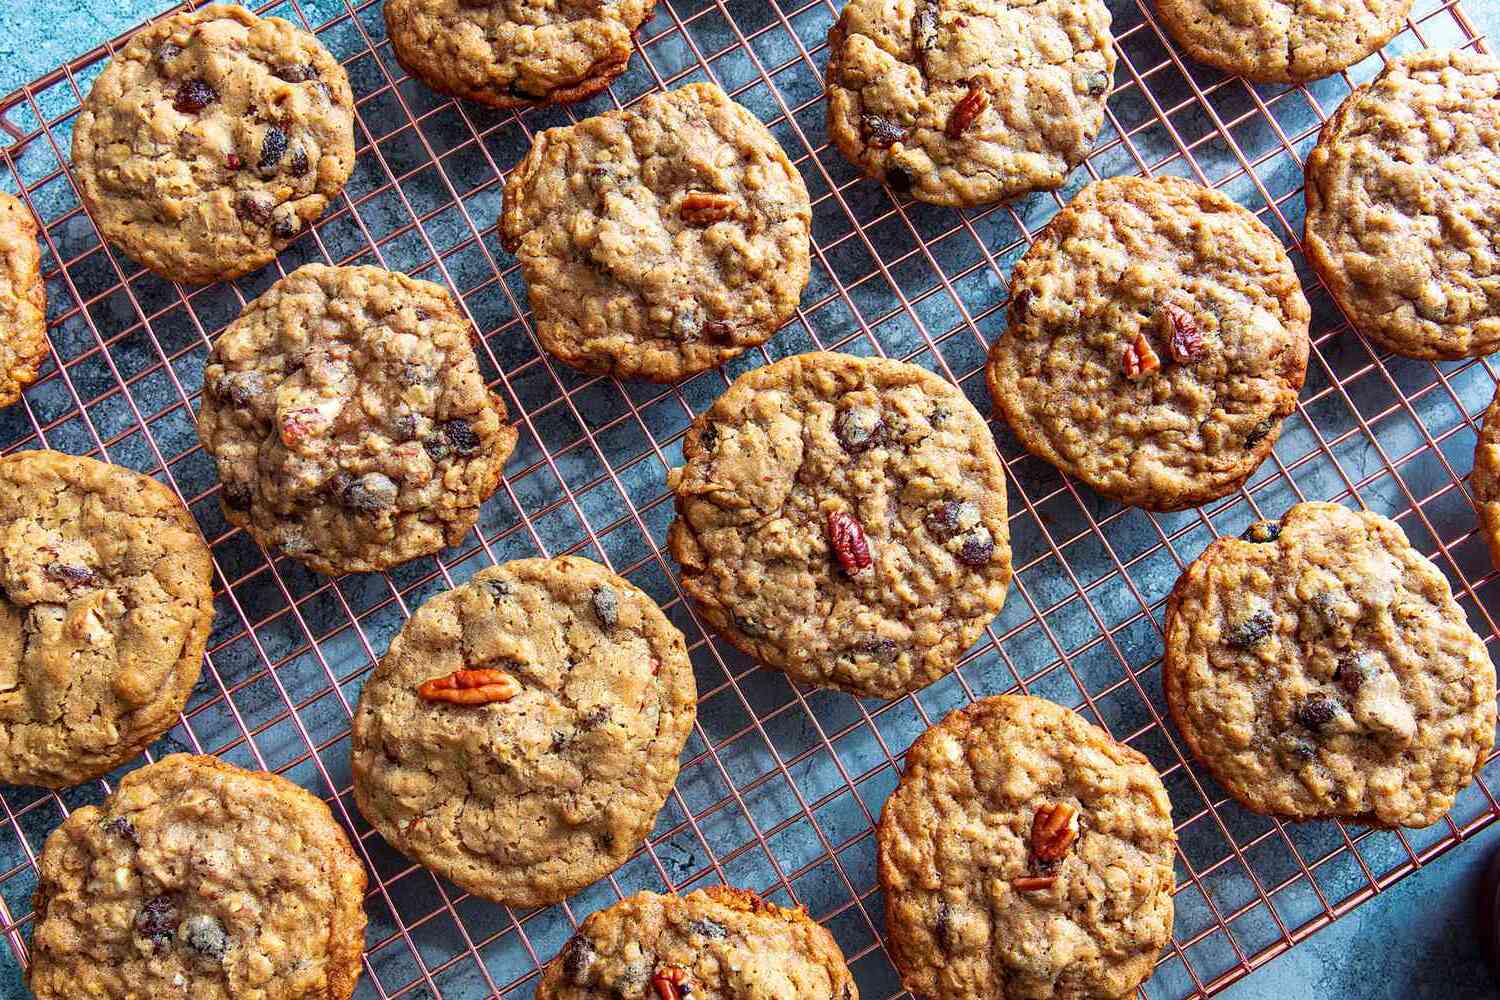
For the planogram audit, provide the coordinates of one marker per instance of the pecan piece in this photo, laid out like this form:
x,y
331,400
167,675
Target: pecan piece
x,y
1033,883
967,111
1184,339
1054,828
1140,360
880,132
671,983
471,687
849,543
704,208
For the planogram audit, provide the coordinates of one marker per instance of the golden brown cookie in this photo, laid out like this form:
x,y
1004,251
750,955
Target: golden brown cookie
x,y
23,301
106,601
198,879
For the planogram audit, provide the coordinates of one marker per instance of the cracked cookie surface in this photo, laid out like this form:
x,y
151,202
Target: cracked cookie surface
x,y
528,796
1157,336
212,140
349,420
1403,206
196,878
719,943
1327,671
1025,854
515,53
660,241
106,606
23,301
965,102
1282,41
843,519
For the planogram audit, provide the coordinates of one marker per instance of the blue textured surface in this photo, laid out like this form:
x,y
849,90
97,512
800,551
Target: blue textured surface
x,y
1413,941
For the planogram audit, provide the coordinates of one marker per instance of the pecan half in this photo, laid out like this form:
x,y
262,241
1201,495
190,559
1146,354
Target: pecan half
x,y
1033,883
849,543
704,208
471,687
880,132
1140,360
967,111
1184,339
1054,828
671,983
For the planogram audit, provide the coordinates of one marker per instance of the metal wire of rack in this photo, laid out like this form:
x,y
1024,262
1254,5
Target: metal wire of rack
x,y
780,785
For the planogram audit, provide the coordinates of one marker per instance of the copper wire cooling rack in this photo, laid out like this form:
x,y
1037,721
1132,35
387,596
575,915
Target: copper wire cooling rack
x,y
780,786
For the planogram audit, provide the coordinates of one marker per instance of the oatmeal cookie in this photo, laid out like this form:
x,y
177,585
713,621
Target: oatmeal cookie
x,y
523,731
1157,336
197,878
1403,206
1025,854
718,943
1485,482
349,419
964,102
661,241
23,301
1282,41
106,601
515,53
842,519
211,140
1322,668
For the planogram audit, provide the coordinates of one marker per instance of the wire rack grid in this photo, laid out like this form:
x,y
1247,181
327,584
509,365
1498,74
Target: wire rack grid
x,y
780,785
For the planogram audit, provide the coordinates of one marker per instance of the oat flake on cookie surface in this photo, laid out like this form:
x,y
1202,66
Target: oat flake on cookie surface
x,y
1403,206
843,520
212,140
1025,855
1320,667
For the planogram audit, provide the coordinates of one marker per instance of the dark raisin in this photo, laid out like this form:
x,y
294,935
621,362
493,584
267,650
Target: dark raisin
x,y
255,206
437,447
1258,432
370,492
71,576
1252,630
296,74
977,548
881,133
205,936
858,427
240,388
272,149
943,930
233,161
157,922
236,495
1097,82
881,649
498,588
1354,672
1262,531
122,827
286,226
717,329
167,53
607,607
594,718
299,162
1298,749
899,180
711,929
709,437
578,961
561,741
193,96
405,427
462,437
1019,303
951,518
1317,711
750,625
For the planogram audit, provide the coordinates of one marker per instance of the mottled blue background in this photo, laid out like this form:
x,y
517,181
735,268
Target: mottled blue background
x,y
1413,941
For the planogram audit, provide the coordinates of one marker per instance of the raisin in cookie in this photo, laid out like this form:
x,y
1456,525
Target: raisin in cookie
x,y
1157,337
1282,41
1322,668
199,879
106,601
523,731
350,423
1403,206
964,103
842,519
23,301
1025,854
718,943
660,241
1485,482
515,53
211,140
